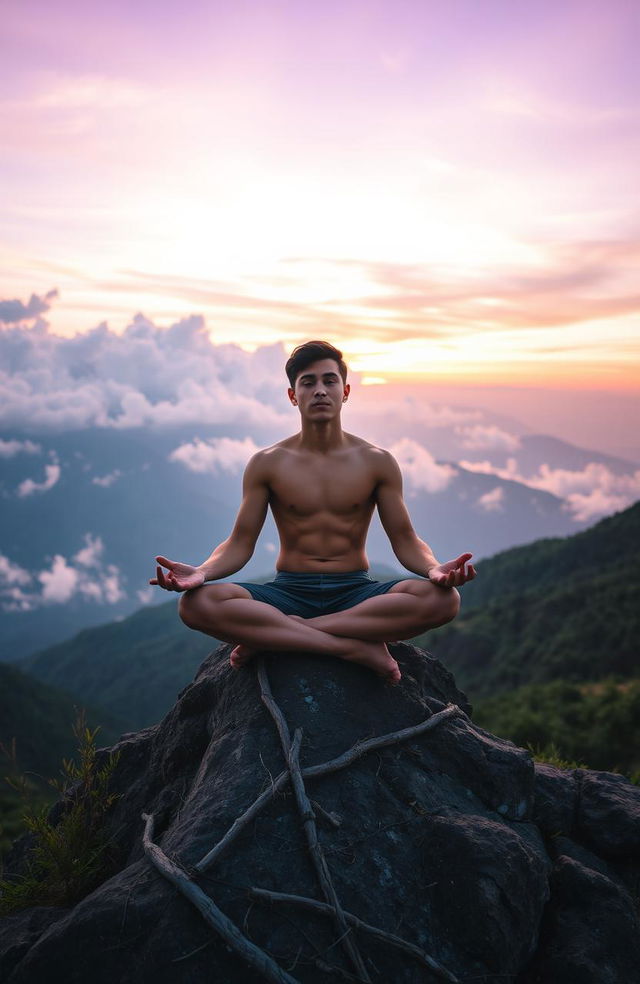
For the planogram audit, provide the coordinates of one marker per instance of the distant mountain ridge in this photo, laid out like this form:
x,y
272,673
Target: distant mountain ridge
x,y
40,719
134,667
121,488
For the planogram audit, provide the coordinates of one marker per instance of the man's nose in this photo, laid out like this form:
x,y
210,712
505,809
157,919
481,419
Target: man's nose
x,y
321,390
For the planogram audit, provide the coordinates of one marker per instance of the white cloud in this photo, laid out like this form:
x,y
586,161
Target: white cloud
x,y
270,547
28,487
595,504
145,595
89,555
82,576
492,501
59,583
106,481
479,437
145,376
8,449
113,592
11,573
420,468
589,494
218,453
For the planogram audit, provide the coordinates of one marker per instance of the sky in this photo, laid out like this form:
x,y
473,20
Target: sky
x,y
448,191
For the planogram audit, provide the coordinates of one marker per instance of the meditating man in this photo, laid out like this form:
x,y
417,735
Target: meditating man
x,y
322,485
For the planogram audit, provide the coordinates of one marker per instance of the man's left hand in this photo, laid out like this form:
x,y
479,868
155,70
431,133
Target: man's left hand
x,y
454,572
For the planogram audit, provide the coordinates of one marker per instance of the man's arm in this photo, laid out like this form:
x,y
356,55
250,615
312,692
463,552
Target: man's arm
x,y
412,552
234,552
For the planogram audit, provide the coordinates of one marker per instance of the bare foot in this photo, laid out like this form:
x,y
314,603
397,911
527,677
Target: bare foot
x,y
240,656
376,656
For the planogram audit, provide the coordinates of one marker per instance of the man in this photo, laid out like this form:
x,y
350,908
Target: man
x,y
322,485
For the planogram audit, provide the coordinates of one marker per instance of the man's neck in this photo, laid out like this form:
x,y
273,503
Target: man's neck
x,y
321,436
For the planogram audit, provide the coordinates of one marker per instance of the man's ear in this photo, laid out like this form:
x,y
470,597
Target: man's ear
x,y
347,390
292,396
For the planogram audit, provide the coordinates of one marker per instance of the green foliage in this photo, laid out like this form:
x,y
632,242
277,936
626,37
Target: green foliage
x,y
596,726
610,545
69,854
133,669
550,754
575,629
18,790
36,716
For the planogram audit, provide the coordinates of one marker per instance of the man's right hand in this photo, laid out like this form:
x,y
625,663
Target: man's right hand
x,y
177,577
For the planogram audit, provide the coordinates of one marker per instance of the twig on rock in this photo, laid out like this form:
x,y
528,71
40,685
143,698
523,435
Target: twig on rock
x,y
273,707
331,818
243,821
252,954
392,738
264,895
323,769
292,756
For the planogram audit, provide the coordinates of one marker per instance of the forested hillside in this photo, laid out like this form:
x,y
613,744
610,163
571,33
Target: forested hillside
x,y
36,733
546,645
133,668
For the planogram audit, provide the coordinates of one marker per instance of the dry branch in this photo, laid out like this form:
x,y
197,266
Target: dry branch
x,y
292,756
263,894
252,954
323,769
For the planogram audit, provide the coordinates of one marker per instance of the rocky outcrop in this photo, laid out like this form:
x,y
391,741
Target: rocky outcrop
x,y
444,837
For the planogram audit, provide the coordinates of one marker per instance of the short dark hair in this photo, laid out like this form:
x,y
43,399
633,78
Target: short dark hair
x,y
304,355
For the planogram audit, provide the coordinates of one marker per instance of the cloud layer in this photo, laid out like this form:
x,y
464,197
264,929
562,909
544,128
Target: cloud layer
x,y
214,455
84,575
589,494
420,469
144,376
149,376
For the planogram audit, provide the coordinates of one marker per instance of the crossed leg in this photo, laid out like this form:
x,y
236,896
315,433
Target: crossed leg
x,y
358,634
228,612
408,609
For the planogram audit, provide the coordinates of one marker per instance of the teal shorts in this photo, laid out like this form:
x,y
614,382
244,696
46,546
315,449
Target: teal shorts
x,y
309,595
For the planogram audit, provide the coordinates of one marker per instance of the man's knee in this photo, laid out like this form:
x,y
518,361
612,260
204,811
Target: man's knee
x,y
450,604
201,606
190,608
440,605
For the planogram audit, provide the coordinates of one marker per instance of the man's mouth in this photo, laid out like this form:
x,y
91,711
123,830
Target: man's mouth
x,y
320,404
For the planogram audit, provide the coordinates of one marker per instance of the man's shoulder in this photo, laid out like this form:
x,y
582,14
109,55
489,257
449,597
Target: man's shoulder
x,y
264,461
372,451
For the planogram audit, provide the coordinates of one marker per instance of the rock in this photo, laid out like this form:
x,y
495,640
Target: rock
x,y
590,933
609,815
439,839
556,794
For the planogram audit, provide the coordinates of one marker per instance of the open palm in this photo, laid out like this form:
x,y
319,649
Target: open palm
x,y
178,576
454,572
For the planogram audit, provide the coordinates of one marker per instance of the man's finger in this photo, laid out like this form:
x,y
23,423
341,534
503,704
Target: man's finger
x,y
160,577
462,559
165,562
153,580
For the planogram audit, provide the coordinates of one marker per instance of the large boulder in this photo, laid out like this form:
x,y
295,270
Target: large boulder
x,y
447,838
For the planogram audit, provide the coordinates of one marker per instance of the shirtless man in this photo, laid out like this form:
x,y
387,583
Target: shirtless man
x,y
322,485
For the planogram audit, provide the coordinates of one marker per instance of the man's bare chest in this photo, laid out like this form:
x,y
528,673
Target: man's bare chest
x,y
339,489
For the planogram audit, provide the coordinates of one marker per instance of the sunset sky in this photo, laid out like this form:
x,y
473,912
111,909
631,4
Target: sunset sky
x,y
449,191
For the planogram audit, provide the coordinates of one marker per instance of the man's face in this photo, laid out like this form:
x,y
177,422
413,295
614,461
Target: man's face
x,y
319,391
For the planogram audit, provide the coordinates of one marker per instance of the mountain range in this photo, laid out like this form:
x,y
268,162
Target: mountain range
x,y
80,551
546,647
